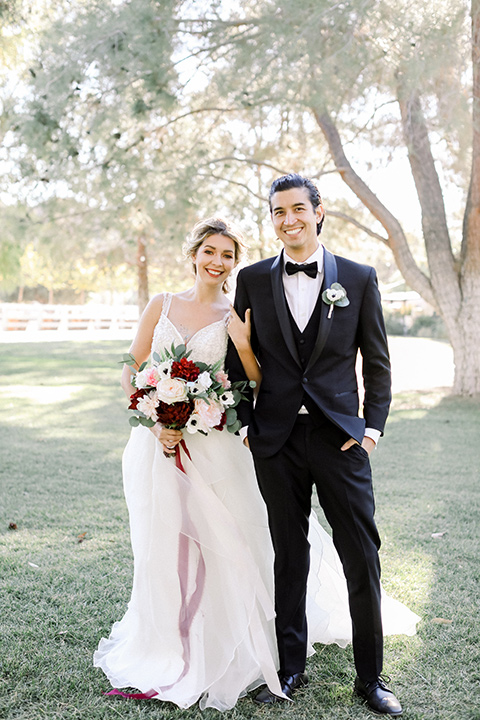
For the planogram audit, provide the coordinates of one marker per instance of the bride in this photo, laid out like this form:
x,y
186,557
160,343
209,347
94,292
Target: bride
x,y
200,622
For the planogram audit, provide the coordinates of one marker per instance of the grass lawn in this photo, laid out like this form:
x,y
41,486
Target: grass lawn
x,y
66,570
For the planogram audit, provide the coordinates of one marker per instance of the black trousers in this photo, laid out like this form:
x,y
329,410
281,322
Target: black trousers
x,y
312,457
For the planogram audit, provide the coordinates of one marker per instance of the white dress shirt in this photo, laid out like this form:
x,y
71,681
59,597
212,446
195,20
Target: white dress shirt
x,y
301,290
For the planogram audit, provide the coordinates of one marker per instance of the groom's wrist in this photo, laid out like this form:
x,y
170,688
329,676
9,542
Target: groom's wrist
x,y
372,434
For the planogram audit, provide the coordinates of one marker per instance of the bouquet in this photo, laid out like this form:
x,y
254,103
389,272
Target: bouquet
x,y
180,393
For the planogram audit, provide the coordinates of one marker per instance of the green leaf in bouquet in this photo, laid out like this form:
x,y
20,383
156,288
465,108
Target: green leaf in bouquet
x,y
202,366
235,427
142,366
127,359
231,415
156,357
202,395
237,396
146,422
134,421
252,384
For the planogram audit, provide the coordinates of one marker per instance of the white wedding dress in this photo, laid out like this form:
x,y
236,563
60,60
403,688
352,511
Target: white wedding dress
x,y
200,622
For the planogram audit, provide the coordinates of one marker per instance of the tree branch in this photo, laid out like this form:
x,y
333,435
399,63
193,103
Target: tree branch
x,y
234,182
396,237
352,221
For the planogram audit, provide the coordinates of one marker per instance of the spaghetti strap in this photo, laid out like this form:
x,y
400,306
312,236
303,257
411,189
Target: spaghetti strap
x,y
167,299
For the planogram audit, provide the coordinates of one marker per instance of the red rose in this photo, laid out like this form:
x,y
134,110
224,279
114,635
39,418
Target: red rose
x,y
135,397
174,415
185,369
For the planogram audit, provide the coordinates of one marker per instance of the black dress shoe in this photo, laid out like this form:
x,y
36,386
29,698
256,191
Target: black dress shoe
x,y
289,683
378,697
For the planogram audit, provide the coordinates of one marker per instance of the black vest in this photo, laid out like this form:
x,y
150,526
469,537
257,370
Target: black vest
x,y
305,342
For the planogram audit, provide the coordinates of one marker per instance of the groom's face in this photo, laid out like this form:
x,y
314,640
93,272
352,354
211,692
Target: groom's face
x,y
295,221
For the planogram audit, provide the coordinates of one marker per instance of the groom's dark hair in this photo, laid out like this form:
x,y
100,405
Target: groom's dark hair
x,y
294,180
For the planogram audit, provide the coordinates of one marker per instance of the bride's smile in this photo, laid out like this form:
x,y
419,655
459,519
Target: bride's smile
x,y
215,258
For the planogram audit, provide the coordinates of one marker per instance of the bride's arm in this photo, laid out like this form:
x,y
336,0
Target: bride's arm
x,y
140,349
142,343
240,333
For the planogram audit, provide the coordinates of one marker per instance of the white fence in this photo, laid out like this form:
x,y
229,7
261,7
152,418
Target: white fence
x,y
65,318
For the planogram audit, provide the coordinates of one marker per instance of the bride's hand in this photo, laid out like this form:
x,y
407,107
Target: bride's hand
x,y
238,330
168,437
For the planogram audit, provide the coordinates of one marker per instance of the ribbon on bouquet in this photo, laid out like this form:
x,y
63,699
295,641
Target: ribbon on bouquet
x,y
188,609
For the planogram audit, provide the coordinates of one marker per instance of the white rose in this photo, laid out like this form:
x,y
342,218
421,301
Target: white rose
x,y
204,380
141,379
171,390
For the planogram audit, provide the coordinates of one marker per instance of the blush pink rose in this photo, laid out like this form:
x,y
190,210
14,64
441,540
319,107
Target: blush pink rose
x,y
210,414
222,378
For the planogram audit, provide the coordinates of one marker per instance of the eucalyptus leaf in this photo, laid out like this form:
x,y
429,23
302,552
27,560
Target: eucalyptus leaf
x,y
128,359
134,421
235,427
147,422
231,415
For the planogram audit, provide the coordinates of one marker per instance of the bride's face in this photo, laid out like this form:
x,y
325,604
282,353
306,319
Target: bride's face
x,y
215,259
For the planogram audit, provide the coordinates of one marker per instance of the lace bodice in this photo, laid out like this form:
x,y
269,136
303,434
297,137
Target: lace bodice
x,y
208,345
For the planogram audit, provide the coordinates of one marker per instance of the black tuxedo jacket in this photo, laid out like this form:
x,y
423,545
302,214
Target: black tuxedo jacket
x,y
329,378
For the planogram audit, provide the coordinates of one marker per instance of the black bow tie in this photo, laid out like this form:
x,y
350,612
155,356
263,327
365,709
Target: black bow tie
x,y
309,269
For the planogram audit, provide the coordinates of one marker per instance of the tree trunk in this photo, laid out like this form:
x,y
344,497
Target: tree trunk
x,y
466,331
441,264
458,304
142,276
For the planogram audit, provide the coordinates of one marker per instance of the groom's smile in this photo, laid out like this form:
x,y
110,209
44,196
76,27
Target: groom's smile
x,y
295,222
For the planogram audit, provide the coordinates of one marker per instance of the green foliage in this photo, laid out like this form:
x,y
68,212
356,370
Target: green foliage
x,y
431,326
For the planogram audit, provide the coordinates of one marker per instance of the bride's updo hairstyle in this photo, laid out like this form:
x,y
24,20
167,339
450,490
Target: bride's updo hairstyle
x,y
205,229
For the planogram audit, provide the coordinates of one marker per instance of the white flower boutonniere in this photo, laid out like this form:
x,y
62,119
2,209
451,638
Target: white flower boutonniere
x,y
335,295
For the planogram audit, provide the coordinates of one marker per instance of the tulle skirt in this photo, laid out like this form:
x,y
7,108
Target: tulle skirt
x,y
200,622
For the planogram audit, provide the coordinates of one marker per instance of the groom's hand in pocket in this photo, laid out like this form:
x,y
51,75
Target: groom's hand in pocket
x,y
367,443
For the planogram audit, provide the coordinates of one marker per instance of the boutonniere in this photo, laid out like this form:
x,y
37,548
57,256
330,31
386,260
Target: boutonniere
x,y
335,295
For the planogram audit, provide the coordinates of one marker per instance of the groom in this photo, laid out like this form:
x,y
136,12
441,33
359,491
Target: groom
x,y
311,313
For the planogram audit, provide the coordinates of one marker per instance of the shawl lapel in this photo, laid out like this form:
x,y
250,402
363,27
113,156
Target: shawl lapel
x,y
280,304
330,276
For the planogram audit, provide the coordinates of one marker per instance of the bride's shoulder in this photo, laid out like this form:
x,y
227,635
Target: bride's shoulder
x,y
157,301
153,311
